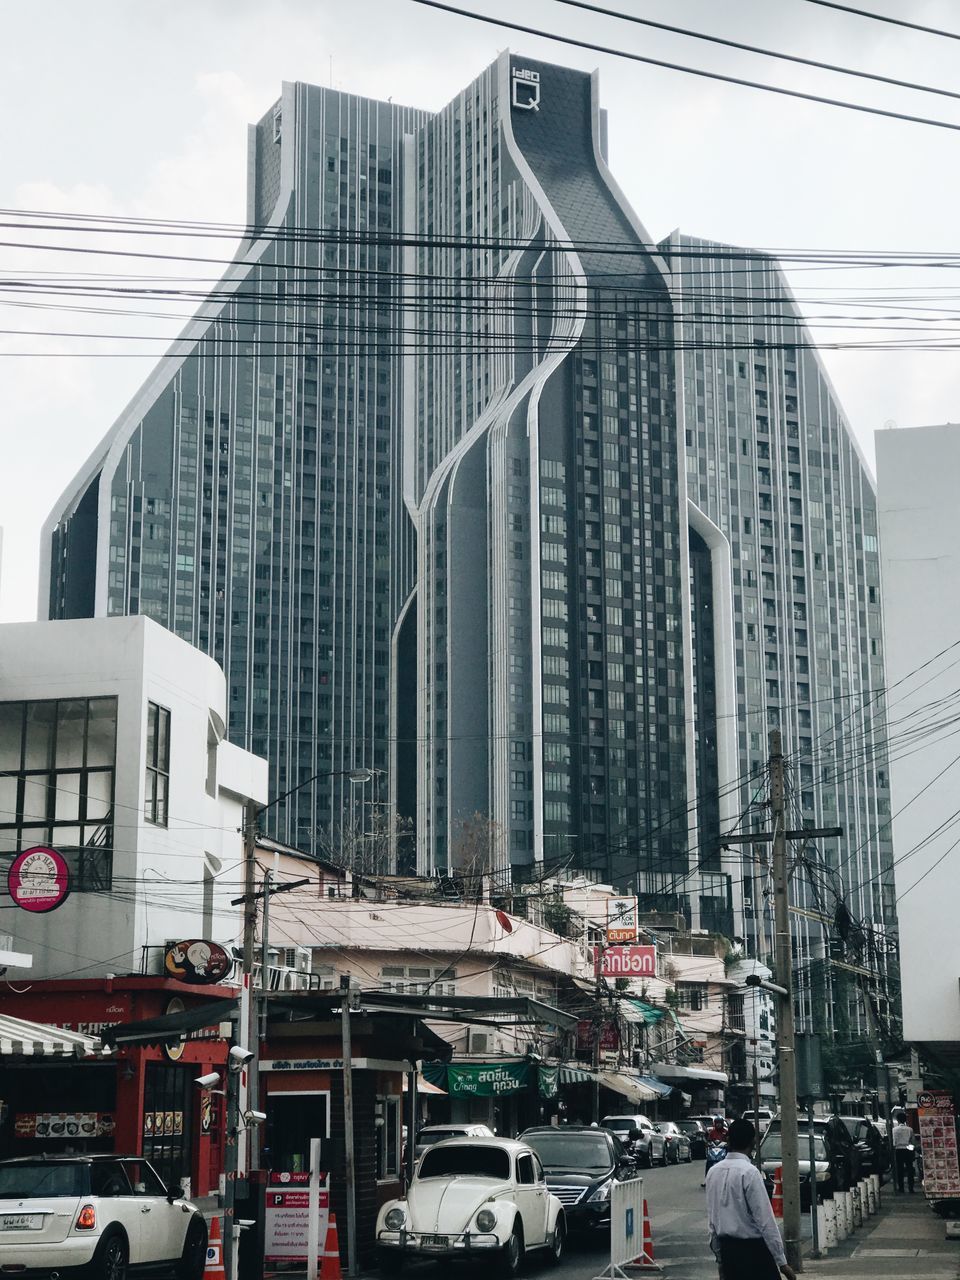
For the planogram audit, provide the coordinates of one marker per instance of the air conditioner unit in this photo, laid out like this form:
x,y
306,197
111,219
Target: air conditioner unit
x,y
297,958
479,1042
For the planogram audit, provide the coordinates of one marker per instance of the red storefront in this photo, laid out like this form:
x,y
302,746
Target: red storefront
x,y
138,1100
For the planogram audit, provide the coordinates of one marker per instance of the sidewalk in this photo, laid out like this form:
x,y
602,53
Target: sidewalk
x,y
904,1239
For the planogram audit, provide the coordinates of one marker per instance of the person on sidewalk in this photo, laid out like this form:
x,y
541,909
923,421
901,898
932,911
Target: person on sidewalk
x,y
903,1150
744,1235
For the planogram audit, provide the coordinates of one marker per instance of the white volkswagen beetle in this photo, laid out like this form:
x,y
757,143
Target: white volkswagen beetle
x,y
473,1197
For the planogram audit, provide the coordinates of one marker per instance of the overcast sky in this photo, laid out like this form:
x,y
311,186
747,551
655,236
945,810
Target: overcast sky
x,y
140,109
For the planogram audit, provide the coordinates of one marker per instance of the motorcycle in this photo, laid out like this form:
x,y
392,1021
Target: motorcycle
x,y
716,1151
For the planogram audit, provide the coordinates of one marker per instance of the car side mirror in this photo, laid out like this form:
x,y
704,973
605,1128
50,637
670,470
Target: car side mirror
x,y
634,1135
173,1193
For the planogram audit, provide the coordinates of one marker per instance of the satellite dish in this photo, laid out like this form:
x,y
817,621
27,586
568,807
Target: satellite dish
x,y
504,921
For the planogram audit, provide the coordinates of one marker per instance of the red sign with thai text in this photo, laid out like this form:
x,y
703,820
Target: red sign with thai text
x,y
626,962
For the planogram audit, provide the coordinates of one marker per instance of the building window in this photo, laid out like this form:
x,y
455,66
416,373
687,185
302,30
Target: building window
x,y
158,765
388,1138
57,761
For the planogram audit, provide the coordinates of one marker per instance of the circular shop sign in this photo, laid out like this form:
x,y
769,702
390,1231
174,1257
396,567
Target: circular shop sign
x,y
38,879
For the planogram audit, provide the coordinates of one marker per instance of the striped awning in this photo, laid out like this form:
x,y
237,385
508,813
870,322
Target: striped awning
x,y
21,1039
575,1075
628,1086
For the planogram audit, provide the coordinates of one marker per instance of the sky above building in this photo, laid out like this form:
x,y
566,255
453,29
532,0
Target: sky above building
x,y
139,111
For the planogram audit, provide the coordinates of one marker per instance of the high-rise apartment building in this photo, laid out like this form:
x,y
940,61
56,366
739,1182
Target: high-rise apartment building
x,y
770,459
429,477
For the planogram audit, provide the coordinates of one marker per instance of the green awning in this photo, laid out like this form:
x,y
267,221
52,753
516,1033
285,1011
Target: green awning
x,y
575,1075
650,1013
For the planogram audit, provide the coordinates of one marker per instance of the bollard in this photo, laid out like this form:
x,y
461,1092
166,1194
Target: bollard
x,y
857,1208
830,1224
843,1229
875,1191
821,1212
866,1197
846,1210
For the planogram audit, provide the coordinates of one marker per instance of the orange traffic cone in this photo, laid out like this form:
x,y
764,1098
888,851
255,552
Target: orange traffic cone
x,y
330,1263
646,1261
776,1199
213,1268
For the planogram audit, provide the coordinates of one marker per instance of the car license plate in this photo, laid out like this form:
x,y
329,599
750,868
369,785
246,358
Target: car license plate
x,y
21,1221
436,1242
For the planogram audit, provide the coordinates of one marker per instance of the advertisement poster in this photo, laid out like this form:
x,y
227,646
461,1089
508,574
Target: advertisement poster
x,y
938,1143
287,1213
66,1124
626,962
621,920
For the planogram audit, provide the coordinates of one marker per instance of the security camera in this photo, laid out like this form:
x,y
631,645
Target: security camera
x,y
254,1117
209,1080
239,1057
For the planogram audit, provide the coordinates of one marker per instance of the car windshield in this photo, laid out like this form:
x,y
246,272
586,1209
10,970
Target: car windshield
x,y
667,1126
427,1137
471,1162
570,1150
619,1122
32,1181
689,1126
771,1149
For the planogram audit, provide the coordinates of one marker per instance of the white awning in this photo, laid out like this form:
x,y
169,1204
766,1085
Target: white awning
x,y
423,1086
628,1087
672,1071
20,1039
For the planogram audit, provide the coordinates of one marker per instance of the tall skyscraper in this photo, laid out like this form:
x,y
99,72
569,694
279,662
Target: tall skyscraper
x,y
430,478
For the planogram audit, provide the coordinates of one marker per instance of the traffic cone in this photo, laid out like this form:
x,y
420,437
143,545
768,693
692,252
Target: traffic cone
x,y
330,1263
776,1200
646,1261
213,1267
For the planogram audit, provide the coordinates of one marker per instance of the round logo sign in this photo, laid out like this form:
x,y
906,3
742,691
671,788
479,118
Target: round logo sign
x,y
197,962
38,879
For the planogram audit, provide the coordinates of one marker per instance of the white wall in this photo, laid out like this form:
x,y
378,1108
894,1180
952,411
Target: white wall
x,y
158,872
918,492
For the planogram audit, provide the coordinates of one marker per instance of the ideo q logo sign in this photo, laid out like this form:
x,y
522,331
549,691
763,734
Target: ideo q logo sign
x,y
526,89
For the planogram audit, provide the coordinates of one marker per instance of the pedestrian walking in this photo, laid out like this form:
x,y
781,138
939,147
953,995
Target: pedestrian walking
x,y
904,1150
744,1235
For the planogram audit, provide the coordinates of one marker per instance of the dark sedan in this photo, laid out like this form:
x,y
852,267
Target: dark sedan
x,y
874,1152
580,1165
678,1144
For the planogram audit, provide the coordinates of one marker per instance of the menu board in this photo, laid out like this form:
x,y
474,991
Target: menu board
x,y
938,1142
64,1124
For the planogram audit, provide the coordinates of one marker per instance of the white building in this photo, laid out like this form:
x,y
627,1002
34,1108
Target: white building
x,y
918,487
112,753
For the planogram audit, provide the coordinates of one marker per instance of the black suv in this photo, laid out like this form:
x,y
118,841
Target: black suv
x,y
581,1164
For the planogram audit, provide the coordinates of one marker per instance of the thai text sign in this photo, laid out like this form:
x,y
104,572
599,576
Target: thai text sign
x,y
621,920
627,962
487,1079
938,1142
288,1212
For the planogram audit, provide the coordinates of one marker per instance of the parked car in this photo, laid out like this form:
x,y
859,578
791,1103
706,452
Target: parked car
x,y
97,1216
639,1135
871,1143
771,1157
678,1144
432,1133
842,1152
697,1135
760,1119
581,1165
473,1197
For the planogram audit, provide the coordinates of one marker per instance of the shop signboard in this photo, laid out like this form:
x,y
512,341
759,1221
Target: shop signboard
x,y
938,1142
626,962
197,962
287,1217
64,1124
38,879
487,1079
621,920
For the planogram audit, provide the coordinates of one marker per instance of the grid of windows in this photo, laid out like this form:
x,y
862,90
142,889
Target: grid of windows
x,y
57,765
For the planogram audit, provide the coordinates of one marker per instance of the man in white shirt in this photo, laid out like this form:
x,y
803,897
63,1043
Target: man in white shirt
x,y
744,1234
903,1150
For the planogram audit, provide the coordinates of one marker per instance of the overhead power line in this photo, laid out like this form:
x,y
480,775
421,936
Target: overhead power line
x,y
692,71
883,17
752,48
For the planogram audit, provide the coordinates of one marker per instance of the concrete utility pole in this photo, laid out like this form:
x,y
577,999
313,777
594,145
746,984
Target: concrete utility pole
x,y
789,1129
348,1001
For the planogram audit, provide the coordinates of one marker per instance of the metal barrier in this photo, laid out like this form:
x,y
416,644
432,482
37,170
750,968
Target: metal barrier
x,y
626,1229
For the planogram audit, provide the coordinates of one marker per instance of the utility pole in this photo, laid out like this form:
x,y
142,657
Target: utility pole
x,y
789,1129
347,1002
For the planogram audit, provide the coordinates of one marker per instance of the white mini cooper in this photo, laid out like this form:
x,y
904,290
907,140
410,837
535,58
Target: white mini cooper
x,y
482,1198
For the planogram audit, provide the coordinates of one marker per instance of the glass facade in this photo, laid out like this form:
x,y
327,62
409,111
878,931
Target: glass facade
x,y
57,764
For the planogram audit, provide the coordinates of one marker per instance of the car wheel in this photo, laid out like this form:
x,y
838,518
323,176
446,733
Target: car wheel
x,y
390,1261
193,1260
112,1258
558,1241
512,1253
